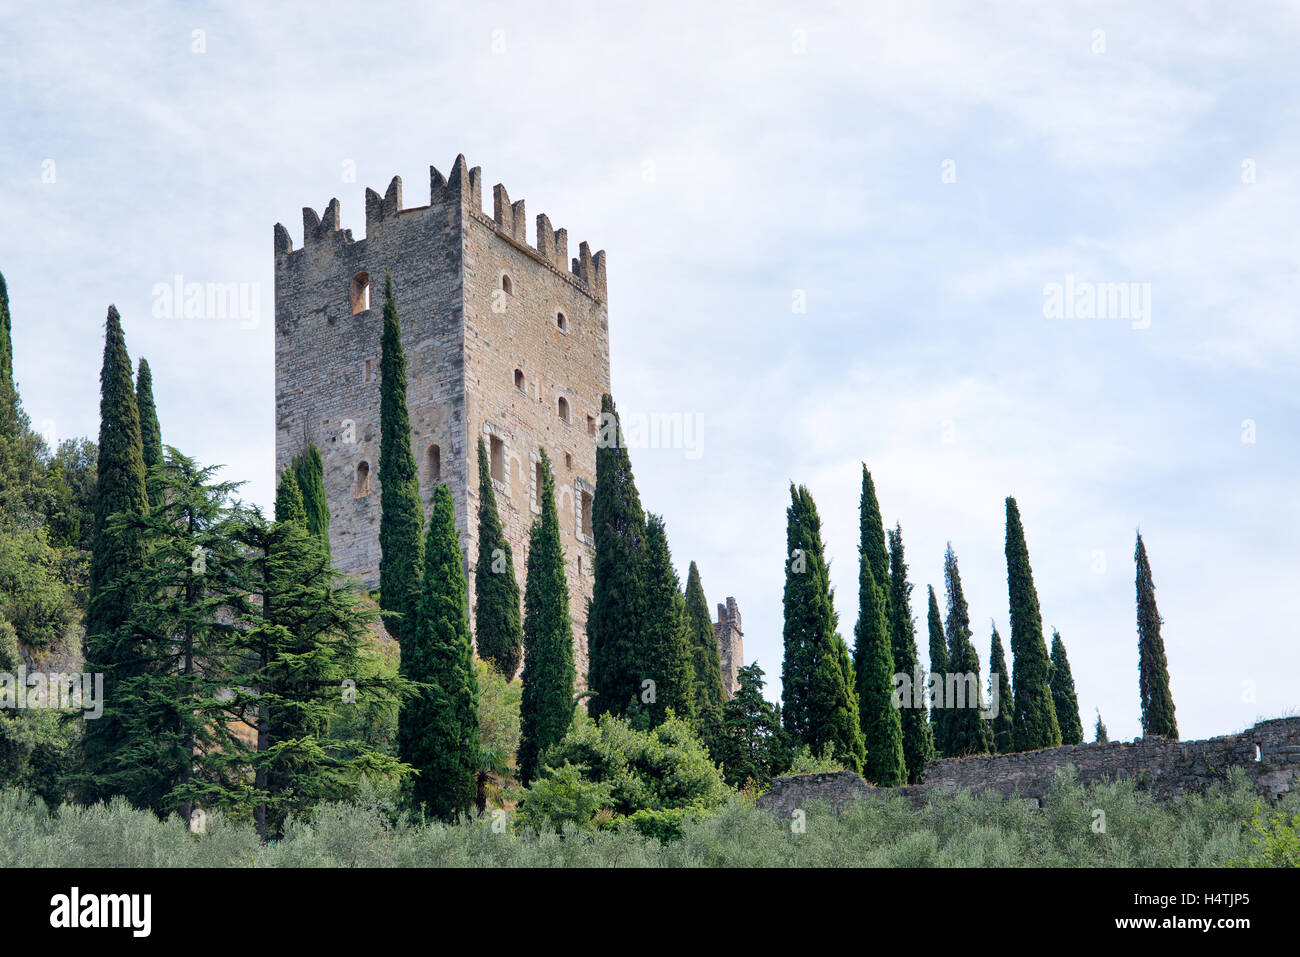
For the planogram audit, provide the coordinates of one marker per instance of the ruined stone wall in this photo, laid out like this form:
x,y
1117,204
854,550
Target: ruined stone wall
x,y
731,647
1269,753
464,337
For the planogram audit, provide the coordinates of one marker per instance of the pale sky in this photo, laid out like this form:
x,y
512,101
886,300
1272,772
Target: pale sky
x,y
919,175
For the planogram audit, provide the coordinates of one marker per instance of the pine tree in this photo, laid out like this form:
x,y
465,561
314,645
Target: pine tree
x,y
817,678
668,648
1035,715
309,470
968,732
438,726
116,549
498,631
1064,699
1153,668
150,432
401,518
617,664
917,744
1002,725
754,748
706,664
546,709
938,671
1099,732
873,655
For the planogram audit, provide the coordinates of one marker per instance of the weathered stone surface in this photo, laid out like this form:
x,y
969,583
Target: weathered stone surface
x,y
1269,753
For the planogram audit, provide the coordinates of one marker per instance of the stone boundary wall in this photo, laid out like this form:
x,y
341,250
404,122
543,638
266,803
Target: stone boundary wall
x,y
1269,753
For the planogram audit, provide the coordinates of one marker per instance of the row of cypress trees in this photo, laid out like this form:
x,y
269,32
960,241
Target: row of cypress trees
x,y
849,705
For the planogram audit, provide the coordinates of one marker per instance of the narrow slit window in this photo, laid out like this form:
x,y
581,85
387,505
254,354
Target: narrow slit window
x,y
540,482
561,322
507,286
497,457
563,408
434,464
586,513
360,292
519,379
362,487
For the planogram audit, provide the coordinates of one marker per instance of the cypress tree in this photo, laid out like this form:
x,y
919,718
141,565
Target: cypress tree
x,y
116,550
498,631
9,413
309,470
437,730
817,678
1099,732
1035,715
1153,668
614,621
150,432
754,748
917,744
938,669
1064,699
288,500
401,518
546,709
668,648
873,655
1002,726
706,664
968,731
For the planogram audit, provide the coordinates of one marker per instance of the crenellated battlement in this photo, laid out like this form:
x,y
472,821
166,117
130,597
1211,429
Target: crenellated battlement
x,y
462,186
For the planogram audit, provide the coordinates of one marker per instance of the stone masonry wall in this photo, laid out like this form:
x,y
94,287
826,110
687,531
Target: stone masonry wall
x,y
731,647
1269,753
464,336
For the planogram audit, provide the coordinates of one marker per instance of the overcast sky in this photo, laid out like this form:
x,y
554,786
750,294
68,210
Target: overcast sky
x,y
918,178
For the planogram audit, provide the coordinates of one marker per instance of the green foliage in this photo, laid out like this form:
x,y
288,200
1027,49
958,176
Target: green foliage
x,y
668,652
1153,667
1035,718
939,667
565,796
151,446
401,518
35,597
873,654
962,830
1064,699
1002,726
1099,733
918,744
615,641
498,628
805,762
546,709
309,470
967,731
70,496
706,665
753,749
1275,840
116,548
499,730
664,768
817,680
438,725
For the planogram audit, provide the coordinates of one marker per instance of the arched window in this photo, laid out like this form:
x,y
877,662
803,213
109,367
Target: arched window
x,y
433,464
519,379
359,295
561,322
506,285
362,487
563,408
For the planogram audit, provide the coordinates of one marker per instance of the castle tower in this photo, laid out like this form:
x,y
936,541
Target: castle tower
x,y
504,340
730,645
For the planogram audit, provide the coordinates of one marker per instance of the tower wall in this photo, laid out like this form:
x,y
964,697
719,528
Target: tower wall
x,y
731,648
464,337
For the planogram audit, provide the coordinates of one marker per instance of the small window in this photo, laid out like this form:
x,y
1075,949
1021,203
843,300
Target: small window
x,y
362,487
561,322
540,479
568,461
563,408
591,425
369,371
506,285
433,464
586,513
497,457
579,564
519,379
360,292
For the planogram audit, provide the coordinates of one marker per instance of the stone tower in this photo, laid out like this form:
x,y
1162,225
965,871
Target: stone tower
x,y
504,340
730,645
